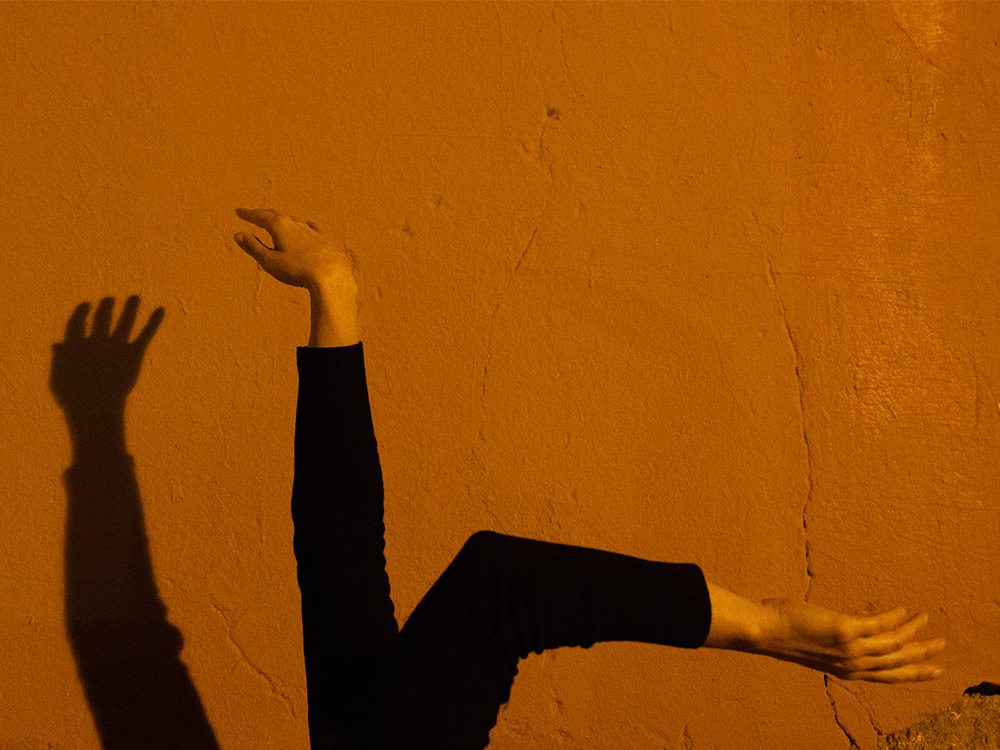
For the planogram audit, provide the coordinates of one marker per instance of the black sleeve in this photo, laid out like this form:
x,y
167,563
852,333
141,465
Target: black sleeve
x,y
502,597
348,623
441,682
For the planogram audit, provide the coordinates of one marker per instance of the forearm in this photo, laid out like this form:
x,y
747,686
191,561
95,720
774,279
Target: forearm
x,y
334,313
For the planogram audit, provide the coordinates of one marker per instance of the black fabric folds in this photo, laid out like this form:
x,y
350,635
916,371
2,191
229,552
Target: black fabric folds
x,y
439,683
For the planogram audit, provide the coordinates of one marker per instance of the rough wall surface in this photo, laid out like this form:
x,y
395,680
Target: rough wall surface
x,y
709,282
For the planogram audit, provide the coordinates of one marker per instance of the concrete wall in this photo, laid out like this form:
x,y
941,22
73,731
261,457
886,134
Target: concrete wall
x,y
709,282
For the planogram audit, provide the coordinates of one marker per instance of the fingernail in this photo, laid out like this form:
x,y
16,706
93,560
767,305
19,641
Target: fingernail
x,y
239,237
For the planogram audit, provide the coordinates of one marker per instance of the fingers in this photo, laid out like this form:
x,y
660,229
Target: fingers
x,y
908,673
892,656
911,653
909,667
127,319
868,626
102,317
878,648
293,245
76,325
888,642
268,218
263,217
252,245
146,334
124,328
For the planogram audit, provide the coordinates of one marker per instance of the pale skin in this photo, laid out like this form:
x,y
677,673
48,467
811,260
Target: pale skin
x,y
876,648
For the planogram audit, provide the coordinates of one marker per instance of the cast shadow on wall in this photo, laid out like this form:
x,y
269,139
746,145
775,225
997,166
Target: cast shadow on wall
x,y
127,653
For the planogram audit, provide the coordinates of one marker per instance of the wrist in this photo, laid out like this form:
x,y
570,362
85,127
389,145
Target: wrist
x,y
333,287
334,313
738,624
98,435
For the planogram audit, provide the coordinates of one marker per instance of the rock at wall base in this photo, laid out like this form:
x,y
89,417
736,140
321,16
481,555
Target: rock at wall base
x,y
970,723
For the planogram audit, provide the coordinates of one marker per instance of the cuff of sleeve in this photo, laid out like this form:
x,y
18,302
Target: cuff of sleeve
x,y
318,364
333,391
100,464
329,352
703,620
682,614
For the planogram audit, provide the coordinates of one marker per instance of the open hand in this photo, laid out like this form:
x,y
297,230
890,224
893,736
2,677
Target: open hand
x,y
92,375
877,648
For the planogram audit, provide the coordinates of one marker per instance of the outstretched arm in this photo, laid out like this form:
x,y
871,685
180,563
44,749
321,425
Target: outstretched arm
x,y
877,648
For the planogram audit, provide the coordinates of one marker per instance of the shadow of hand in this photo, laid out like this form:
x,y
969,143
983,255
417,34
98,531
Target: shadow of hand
x,y
95,374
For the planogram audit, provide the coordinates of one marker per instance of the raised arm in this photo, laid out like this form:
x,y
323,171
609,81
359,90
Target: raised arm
x,y
348,625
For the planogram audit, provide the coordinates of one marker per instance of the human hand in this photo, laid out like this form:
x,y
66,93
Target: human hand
x,y
94,375
302,255
877,648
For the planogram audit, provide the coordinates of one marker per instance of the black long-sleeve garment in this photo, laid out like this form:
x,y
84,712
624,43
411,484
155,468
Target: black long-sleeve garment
x,y
440,682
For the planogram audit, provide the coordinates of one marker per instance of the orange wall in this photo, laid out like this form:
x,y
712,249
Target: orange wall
x,y
710,282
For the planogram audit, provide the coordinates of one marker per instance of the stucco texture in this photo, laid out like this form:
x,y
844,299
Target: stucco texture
x,y
705,282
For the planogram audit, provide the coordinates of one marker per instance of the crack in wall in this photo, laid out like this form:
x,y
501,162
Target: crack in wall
x,y
493,315
871,716
836,718
257,671
541,154
979,396
688,740
562,44
826,681
802,420
920,52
